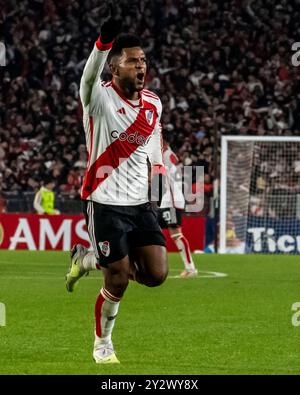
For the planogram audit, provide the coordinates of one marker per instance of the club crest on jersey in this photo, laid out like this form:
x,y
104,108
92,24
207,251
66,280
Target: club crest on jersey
x,y
104,247
149,116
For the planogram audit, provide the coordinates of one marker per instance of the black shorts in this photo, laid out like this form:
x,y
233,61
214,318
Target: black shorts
x,y
116,230
169,217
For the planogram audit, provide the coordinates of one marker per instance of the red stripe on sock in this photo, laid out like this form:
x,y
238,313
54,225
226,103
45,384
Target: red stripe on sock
x,y
187,248
98,307
109,296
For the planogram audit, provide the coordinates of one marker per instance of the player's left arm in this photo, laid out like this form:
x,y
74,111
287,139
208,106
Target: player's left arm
x,y
155,147
158,170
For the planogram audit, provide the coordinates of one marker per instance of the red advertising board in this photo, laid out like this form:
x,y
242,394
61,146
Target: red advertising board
x,y
60,232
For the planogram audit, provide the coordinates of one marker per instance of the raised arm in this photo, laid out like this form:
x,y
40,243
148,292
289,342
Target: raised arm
x,y
96,61
92,70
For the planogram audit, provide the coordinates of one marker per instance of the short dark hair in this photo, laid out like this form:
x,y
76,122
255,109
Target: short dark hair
x,y
47,180
123,41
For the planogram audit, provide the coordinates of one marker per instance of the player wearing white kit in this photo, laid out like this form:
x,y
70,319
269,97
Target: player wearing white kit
x,y
121,122
171,208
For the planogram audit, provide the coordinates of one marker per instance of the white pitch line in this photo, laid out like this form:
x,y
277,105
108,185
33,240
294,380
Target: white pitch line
x,y
53,276
205,274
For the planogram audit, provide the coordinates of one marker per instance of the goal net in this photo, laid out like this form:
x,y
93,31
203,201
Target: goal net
x,y
260,195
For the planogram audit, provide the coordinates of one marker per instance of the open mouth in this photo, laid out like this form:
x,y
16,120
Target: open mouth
x,y
140,77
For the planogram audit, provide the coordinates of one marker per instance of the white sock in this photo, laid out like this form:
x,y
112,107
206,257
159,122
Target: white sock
x,y
106,310
184,250
89,261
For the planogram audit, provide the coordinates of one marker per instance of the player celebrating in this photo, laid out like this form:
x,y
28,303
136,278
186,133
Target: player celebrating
x,y
171,208
121,122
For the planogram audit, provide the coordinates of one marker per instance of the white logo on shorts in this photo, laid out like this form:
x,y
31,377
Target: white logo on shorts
x,y
104,247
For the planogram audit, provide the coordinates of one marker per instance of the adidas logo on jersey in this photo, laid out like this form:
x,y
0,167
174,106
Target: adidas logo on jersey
x,y
121,111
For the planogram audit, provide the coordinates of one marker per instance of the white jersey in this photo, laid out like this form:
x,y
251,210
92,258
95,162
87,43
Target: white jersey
x,y
174,196
120,135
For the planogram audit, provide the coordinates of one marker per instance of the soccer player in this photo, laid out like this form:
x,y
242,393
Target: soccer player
x,y
171,208
121,122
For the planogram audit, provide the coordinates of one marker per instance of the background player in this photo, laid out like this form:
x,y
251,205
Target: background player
x,y
121,122
171,208
44,198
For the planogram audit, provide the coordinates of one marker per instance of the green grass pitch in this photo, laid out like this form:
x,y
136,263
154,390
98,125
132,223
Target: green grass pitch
x,y
238,324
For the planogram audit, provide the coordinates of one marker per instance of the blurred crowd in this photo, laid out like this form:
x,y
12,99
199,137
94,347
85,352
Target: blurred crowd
x,y
220,67
263,179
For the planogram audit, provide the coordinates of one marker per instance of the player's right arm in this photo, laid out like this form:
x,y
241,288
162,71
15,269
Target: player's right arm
x,y
96,61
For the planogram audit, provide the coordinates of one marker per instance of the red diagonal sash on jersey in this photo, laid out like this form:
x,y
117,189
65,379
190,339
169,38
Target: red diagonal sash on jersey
x,y
117,150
